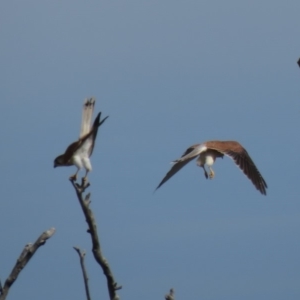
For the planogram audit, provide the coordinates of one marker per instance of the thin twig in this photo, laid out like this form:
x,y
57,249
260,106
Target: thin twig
x,y
90,219
84,273
23,259
170,296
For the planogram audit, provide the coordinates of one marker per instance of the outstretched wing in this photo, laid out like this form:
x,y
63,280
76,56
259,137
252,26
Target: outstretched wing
x,y
186,157
87,113
242,159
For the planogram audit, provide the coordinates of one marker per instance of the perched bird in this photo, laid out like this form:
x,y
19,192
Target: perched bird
x,y
208,152
79,152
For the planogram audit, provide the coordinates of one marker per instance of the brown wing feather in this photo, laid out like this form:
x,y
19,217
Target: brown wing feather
x,y
242,159
71,150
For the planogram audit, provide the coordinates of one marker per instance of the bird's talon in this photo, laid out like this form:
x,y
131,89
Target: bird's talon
x,y
73,177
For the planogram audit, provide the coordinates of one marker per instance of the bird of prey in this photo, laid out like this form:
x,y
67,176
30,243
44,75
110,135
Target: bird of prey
x,y
208,152
79,152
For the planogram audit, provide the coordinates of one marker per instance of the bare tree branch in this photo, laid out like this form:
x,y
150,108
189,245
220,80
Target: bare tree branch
x,y
84,273
89,217
170,296
23,259
1,288
298,62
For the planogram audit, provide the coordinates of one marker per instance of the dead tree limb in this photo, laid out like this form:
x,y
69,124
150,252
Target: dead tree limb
x,y
97,252
23,259
84,273
170,296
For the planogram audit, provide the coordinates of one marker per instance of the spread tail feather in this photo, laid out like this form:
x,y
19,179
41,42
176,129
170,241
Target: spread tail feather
x,y
87,112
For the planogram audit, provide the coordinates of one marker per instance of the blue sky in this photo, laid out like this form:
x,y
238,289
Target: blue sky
x,y
169,74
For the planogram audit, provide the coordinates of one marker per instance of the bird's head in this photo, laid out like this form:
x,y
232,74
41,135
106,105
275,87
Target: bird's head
x,y
59,161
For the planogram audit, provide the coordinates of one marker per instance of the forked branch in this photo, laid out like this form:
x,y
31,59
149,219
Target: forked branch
x,y
23,259
97,252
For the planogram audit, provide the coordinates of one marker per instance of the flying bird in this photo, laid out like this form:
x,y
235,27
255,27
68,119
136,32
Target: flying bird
x,y
79,152
209,151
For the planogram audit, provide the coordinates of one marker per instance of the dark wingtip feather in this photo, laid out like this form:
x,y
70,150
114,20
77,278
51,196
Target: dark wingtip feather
x,y
161,183
246,164
174,169
97,121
